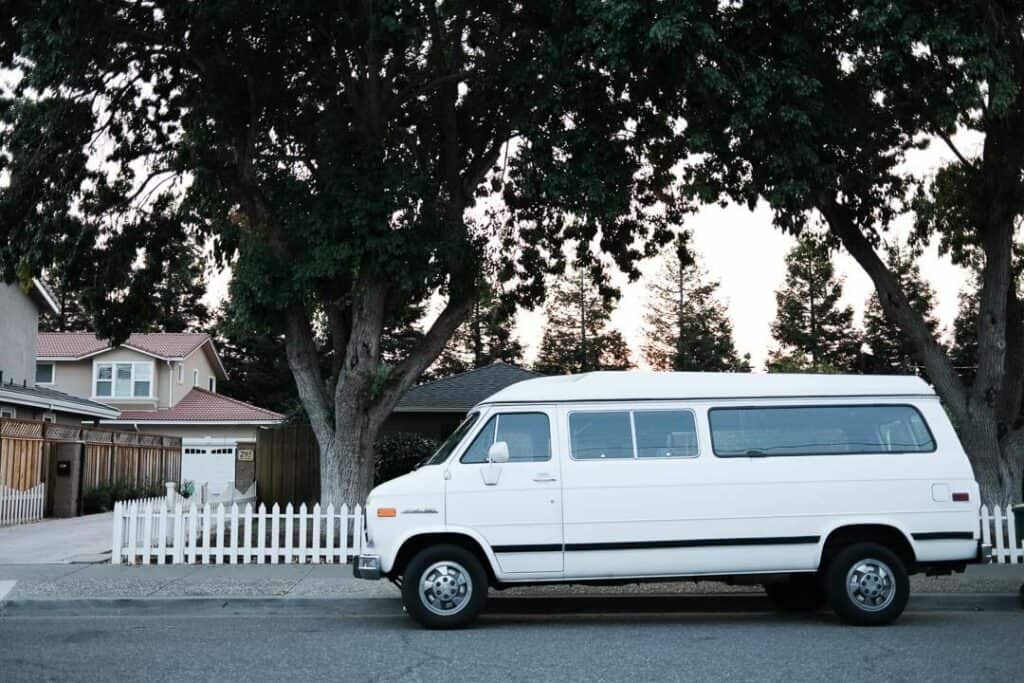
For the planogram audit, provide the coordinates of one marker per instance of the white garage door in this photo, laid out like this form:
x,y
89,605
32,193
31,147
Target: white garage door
x,y
214,465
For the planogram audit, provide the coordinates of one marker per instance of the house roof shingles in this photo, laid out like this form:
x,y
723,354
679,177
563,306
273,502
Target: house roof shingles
x,y
82,344
200,405
459,393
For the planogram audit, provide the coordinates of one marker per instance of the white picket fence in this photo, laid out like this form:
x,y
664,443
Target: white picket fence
x,y
999,529
148,532
19,507
156,530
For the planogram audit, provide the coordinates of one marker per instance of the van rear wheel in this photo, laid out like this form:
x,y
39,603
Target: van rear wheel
x,y
444,587
801,593
867,585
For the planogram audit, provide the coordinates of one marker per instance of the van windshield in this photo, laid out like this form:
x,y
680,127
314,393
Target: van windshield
x,y
442,453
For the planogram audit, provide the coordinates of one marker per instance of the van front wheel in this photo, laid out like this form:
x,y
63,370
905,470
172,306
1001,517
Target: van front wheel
x,y
444,586
868,585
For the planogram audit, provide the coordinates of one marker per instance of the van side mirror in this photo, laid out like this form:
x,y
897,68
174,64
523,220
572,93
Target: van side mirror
x,y
498,452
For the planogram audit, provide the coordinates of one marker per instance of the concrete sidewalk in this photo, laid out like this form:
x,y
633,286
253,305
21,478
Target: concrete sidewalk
x,y
58,541
109,582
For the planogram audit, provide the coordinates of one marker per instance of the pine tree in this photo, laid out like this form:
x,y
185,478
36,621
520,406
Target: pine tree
x,y
173,302
486,336
891,351
813,332
576,336
686,326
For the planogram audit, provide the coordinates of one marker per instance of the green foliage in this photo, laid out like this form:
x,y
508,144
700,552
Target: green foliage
x,y
891,351
811,329
686,326
103,497
576,335
256,364
396,454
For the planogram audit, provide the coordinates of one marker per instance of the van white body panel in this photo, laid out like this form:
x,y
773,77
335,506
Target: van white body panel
x,y
573,519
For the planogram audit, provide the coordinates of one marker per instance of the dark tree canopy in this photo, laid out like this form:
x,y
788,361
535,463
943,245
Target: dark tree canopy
x,y
814,332
577,336
686,326
330,152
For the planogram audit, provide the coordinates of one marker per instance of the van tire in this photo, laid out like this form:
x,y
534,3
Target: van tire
x,y
882,591
456,571
801,593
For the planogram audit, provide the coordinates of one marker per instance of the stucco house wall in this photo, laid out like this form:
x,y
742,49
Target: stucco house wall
x,y
19,319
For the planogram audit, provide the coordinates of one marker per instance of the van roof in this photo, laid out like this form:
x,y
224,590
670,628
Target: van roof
x,y
636,385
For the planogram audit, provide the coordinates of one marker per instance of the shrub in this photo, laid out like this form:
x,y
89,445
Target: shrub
x,y
399,453
103,497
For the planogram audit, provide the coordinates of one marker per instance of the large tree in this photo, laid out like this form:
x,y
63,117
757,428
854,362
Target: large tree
x,y
815,108
890,350
686,325
577,335
814,332
332,152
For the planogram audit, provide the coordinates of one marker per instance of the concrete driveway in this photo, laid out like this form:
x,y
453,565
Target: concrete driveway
x,y
58,541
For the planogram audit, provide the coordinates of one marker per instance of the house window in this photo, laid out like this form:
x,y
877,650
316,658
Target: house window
x,y
212,384
7,411
49,417
44,373
195,378
124,380
181,373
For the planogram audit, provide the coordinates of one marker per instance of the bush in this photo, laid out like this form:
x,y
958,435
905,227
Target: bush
x,y
103,497
397,454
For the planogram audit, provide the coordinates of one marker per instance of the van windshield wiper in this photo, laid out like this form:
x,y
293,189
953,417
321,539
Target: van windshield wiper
x,y
755,453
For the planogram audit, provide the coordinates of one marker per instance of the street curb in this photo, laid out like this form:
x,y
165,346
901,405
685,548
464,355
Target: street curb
x,y
723,603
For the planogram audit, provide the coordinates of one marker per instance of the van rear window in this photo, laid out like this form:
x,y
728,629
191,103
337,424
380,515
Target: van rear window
x,y
818,430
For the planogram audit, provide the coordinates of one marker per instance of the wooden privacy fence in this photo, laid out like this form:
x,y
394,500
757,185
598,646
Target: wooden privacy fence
x,y
134,458
21,454
148,532
19,507
288,464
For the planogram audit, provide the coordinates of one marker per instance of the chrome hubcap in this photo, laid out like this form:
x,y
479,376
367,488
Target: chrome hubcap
x,y
445,588
870,584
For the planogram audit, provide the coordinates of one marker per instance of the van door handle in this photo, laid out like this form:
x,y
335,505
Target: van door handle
x,y
543,477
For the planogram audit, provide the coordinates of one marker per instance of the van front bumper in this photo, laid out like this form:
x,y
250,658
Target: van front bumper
x,y
367,567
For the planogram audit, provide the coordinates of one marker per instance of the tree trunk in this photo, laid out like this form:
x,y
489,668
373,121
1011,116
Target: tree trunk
x,y
996,463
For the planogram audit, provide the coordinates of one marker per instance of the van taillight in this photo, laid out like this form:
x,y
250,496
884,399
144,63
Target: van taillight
x,y
961,497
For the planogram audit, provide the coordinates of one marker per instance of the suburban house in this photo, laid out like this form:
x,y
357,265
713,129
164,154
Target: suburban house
x,y
436,408
163,383
22,395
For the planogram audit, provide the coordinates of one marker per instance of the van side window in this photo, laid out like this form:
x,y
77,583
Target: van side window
x,y
665,433
600,435
528,436
819,430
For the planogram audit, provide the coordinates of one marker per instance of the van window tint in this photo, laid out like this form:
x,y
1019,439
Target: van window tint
x,y
665,433
528,436
818,430
596,436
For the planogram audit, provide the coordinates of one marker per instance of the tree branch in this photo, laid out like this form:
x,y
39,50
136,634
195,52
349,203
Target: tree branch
x,y
897,307
304,362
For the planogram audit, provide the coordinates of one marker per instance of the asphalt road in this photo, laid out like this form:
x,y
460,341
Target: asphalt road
x,y
372,640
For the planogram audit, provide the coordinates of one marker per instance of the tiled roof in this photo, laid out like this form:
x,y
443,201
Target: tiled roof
x,y
199,405
35,395
461,392
83,344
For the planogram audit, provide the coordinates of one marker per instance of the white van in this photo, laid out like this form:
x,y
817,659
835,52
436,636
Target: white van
x,y
821,487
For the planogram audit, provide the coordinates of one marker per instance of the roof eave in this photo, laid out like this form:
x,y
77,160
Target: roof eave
x,y
100,410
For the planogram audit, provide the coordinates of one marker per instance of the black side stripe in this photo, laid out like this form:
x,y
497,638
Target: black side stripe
x,y
646,545
944,536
